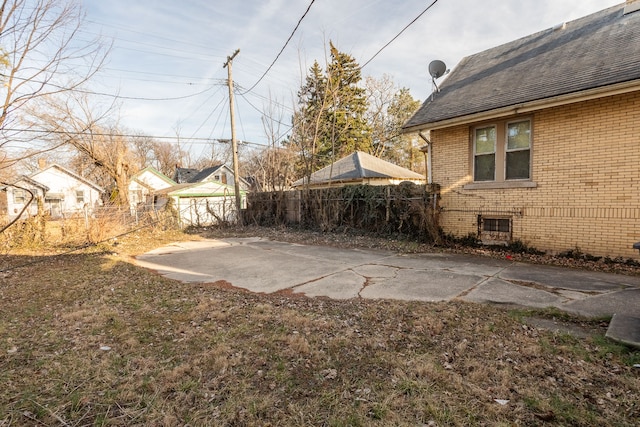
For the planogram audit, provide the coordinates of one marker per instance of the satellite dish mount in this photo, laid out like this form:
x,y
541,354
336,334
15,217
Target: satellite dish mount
x,y
437,69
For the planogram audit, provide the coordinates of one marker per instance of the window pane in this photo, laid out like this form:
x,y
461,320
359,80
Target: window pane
x,y
485,140
518,164
496,224
18,196
484,168
519,135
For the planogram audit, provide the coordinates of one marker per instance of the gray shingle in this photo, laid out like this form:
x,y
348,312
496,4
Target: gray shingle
x,y
595,51
358,166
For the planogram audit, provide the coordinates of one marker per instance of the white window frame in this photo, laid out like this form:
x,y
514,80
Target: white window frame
x,y
19,196
500,170
506,148
495,151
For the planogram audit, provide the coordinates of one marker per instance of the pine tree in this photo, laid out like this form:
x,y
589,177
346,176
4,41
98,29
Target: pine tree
x,y
308,119
330,122
346,128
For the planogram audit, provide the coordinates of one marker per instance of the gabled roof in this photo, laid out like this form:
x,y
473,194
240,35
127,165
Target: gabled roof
x,y
183,175
25,179
67,172
205,173
359,166
156,172
601,50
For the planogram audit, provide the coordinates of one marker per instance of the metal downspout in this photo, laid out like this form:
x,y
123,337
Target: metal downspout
x,y
429,174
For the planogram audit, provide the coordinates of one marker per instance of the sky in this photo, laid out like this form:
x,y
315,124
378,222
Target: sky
x,y
167,56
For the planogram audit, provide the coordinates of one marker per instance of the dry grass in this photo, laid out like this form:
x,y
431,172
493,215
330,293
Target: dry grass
x,y
184,354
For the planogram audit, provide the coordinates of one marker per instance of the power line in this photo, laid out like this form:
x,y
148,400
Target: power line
x,y
283,47
89,92
398,35
262,112
117,135
138,135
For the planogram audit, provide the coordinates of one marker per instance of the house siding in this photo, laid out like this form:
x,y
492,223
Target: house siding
x,y
586,166
63,183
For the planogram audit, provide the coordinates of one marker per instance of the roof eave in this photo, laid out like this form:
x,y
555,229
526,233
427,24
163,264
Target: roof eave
x,y
528,107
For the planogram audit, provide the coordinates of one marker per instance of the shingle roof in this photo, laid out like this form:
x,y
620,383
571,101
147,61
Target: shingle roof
x,y
204,173
183,175
356,166
591,52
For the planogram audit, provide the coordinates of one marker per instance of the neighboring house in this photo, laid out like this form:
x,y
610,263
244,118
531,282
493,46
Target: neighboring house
x,y
14,197
144,185
201,203
538,140
359,168
68,192
219,173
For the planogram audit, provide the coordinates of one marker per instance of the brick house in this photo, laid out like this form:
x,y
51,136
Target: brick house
x,y
538,140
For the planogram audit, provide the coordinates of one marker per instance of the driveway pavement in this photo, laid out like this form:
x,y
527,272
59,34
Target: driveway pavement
x,y
265,266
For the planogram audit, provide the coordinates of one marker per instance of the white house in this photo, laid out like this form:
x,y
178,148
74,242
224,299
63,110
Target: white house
x,y
202,203
15,195
68,192
145,184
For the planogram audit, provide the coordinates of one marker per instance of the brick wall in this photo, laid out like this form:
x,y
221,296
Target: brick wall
x,y
586,166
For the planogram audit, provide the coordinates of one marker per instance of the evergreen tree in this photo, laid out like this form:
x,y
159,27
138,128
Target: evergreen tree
x,y
346,129
330,122
308,119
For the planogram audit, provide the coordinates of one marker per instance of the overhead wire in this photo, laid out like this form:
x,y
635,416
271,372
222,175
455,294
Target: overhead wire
x,y
90,92
283,47
262,112
399,34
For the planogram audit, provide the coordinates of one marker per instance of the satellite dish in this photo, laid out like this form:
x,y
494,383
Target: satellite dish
x,y
437,69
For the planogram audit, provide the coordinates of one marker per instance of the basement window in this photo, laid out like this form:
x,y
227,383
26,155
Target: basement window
x,y
494,230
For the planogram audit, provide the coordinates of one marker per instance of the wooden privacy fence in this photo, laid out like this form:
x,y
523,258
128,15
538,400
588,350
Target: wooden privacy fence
x,y
406,208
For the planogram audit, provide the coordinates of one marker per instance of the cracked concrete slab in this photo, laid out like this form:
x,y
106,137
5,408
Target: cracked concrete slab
x,y
420,286
377,271
500,291
567,278
266,266
449,262
343,285
626,302
625,329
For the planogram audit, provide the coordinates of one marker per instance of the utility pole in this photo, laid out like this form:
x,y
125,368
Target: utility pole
x,y
234,142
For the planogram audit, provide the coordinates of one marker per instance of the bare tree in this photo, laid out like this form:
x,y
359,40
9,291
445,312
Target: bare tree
x,y
142,152
166,157
41,55
87,127
389,108
272,167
